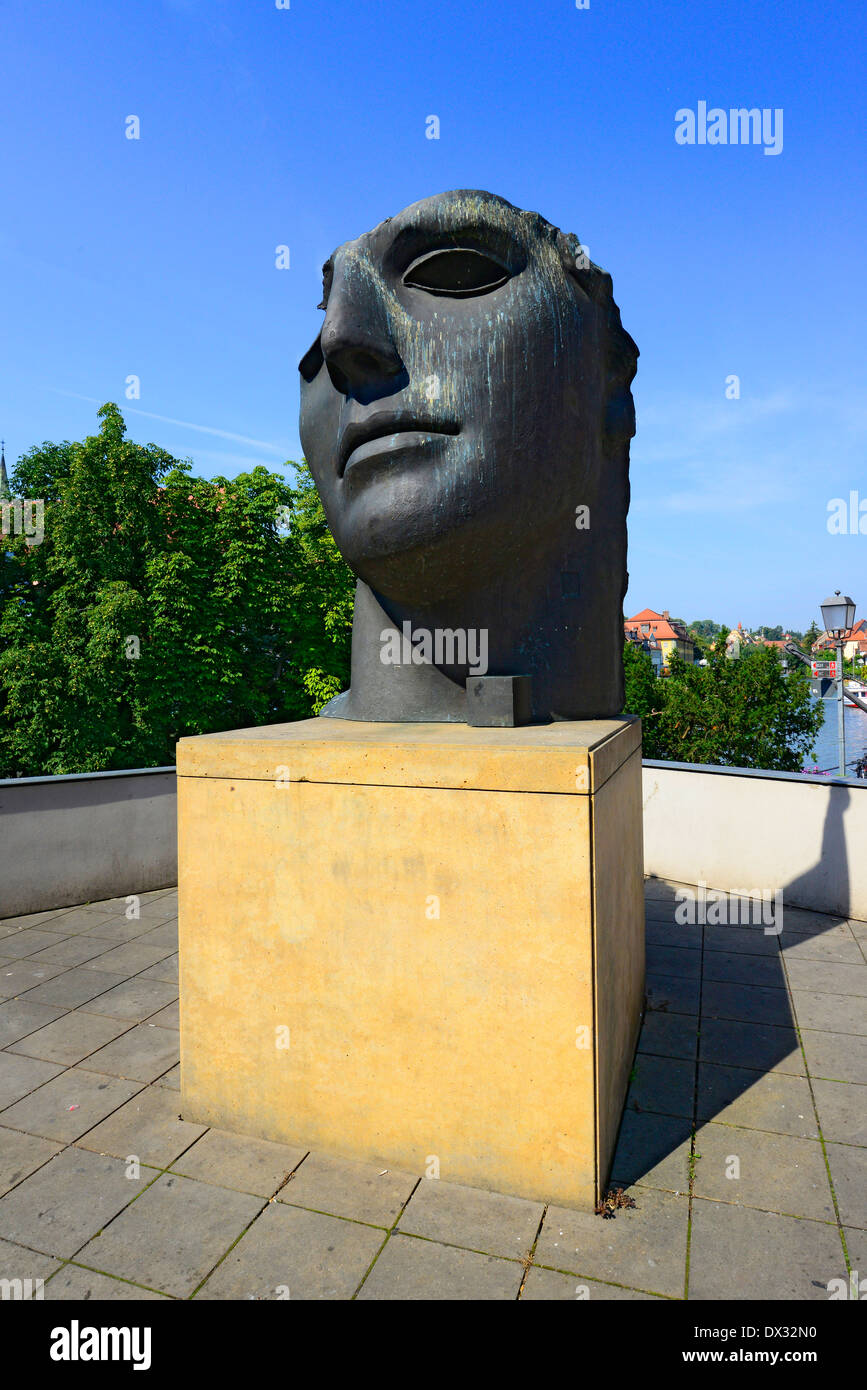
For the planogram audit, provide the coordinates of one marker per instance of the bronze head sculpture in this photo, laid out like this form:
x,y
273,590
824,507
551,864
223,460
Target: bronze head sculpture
x,y
466,414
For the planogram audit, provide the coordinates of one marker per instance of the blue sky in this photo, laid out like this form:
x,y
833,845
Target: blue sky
x,y
305,126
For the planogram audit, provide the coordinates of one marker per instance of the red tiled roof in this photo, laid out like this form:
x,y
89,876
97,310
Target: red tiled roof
x,y
660,626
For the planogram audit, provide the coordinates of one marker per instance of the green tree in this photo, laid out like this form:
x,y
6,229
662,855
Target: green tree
x,y
645,694
744,713
704,628
160,605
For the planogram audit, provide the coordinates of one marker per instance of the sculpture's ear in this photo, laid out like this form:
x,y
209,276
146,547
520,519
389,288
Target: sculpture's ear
x,y
621,353
595,283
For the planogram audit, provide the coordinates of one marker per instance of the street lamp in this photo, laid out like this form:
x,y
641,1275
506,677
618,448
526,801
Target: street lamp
x,y
838,618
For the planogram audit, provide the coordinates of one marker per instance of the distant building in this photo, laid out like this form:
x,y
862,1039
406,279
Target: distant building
x,y
855,642
670,636
5,490
777,642
647,644
736,641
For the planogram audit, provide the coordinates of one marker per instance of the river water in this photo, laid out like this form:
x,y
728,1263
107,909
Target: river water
x,y
855,728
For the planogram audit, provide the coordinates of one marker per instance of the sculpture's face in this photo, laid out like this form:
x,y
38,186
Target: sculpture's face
x,y
450,407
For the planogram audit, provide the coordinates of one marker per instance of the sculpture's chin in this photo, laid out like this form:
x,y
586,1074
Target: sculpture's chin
x,y
415,579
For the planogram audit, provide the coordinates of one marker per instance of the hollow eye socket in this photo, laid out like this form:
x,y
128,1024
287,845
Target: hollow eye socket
x,y
456,272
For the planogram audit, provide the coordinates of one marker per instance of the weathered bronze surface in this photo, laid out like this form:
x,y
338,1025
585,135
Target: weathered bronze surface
x,y
466,413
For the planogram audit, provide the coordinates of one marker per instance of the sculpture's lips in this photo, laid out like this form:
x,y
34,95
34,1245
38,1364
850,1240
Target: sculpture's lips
x,y
383,425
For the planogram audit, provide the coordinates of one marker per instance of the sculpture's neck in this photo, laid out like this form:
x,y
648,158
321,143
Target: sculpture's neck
x,y
412,664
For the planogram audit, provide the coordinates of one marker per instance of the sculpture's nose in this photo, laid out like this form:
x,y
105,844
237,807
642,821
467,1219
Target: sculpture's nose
x,y
361,357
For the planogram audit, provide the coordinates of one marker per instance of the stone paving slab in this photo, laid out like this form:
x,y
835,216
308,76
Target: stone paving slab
x,y
833,1013
772,1101
165,935
69,1038
672,994
120,905
669,1035
643,1248
74,950
653,1150
169,1017
27,943
665,1085
235,1160
129,958
148,1126
773,1172
10,925
18,976
837,950
100,1087
117,931
74,987
856,1244
746,1003
171,1237
673,961
68,1105
414,1269
800,919
73,1282
342,1187
739,968
836,1056
757,1046
849,1174
547,1285
19,1017
740,1253
78,919
20,1155
468,1216
842,1111
165,970
60,1207
26,1265
666,933
134,999
21,1075
740,941
826,977
142,1053
296,1254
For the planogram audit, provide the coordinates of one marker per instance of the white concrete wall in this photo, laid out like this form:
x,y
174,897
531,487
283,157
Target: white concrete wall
x,y
76,839
67,840
806,835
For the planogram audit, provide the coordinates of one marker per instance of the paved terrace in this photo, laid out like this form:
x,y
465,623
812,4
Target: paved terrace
x,y
753,1058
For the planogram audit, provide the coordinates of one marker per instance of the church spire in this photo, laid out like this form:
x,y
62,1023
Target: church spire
x,y
5,491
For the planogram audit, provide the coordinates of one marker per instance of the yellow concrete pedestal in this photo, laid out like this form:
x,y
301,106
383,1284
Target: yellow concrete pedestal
x,y
416,944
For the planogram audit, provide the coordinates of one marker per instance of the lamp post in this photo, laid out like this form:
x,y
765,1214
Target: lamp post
x,y
838,617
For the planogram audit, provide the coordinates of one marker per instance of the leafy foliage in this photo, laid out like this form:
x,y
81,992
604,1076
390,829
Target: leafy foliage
x,y
160,605
732,713
645,696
